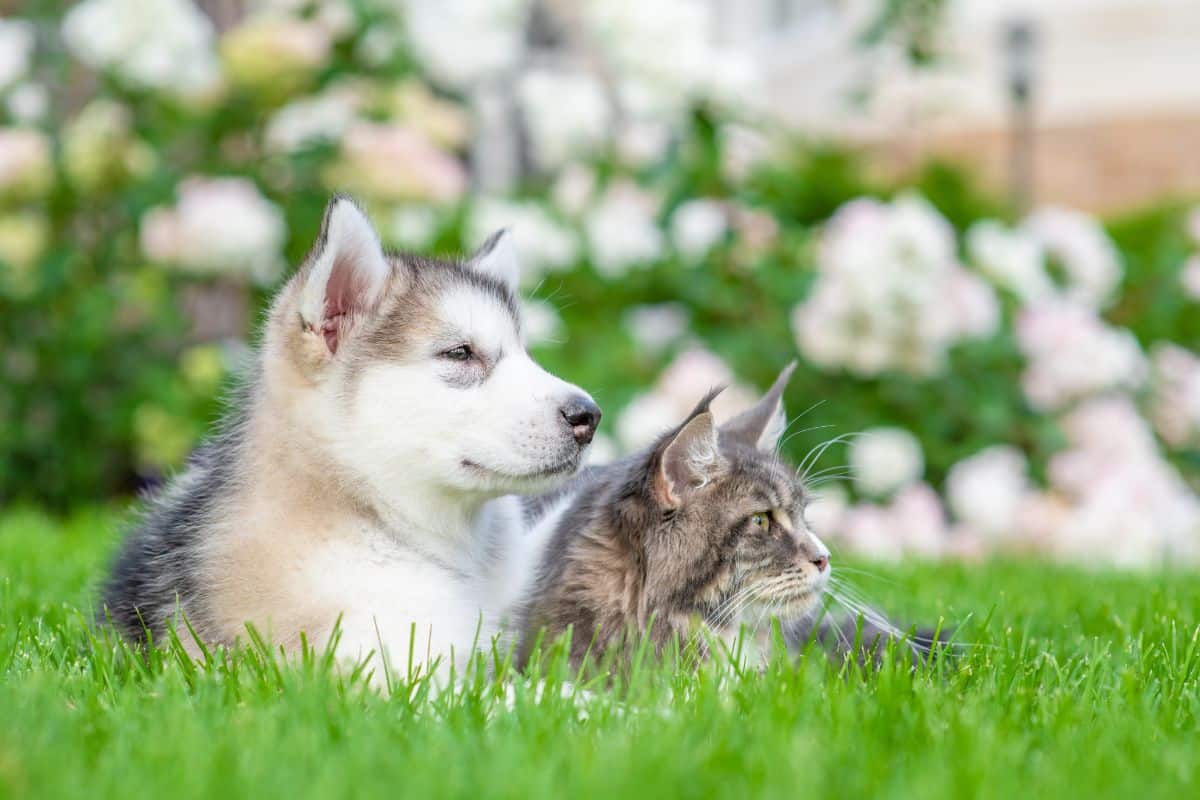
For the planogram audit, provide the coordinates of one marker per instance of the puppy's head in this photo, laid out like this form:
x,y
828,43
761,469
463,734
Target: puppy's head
x,y
404,370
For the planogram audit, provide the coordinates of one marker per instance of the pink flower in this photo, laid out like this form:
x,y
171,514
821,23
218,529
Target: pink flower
x,y
914,523
1073,354
919,520
217,226
988,490
682,384
397,163
1189,278
1176,405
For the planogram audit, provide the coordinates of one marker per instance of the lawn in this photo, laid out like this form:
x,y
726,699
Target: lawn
x,y
1074,684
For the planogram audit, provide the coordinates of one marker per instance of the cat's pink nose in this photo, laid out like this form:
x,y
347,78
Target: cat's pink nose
x,y
821,563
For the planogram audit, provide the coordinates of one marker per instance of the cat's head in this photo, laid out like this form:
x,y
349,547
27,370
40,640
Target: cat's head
x,y
723,520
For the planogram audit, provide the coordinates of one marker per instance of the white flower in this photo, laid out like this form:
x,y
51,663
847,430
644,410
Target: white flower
x,y
1080,245
622,231
692,375
378,45
338,17
889,292
573,189
647,417
988,490
1011,258
884,459
560,128
312,120
696,226
971,304
655,327
742,149
1126,505
16,50
413,226
1189,277
157,44
1193,225
217,226
28,102
641,143
1176,407
1073,354
667,47
462,42
542,243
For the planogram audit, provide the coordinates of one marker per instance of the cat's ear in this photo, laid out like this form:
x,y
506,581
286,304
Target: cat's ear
x,y
497,258
346,274
689,458
761,425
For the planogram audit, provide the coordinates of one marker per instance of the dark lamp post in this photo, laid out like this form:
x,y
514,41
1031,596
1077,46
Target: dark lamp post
x,y
1020,56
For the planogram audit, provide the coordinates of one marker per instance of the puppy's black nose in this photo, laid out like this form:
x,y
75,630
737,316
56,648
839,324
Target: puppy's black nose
x,y
583,416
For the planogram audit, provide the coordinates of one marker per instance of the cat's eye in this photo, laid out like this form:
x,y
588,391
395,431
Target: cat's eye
x,y
461,353
761,521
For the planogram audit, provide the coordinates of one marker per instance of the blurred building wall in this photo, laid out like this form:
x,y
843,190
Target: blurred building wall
x,y
1116,99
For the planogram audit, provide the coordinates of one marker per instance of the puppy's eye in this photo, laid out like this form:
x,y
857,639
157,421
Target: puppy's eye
x,y
461,353
761,521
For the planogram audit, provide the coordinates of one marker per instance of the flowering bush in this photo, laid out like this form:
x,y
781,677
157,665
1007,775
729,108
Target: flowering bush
x,y
1024,385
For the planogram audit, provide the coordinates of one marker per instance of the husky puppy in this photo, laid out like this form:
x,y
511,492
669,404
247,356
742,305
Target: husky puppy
x,y
391,398
689,532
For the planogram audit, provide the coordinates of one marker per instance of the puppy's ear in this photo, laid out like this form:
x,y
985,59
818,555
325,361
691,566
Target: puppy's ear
x,y
761,425
688,458
497,258
346,275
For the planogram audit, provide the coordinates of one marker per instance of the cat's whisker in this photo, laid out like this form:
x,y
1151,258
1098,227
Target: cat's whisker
x,y
843,591
753,593
733,606
867,574
863,614
869,615
779,446
837,468
793,421
814,455
828,480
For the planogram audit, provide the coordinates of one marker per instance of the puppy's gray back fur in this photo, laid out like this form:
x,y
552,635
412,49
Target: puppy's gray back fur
x,y
154,576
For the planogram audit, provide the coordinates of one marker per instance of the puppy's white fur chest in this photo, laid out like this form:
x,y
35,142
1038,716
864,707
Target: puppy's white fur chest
x,y
401,604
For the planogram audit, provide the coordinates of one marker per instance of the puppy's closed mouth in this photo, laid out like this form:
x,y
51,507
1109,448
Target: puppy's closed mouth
x,y
565,467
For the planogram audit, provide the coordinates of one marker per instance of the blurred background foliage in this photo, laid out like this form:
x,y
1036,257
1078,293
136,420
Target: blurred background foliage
x,y
164,165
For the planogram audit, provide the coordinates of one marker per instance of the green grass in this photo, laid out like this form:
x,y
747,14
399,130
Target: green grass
x,y
1082,684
